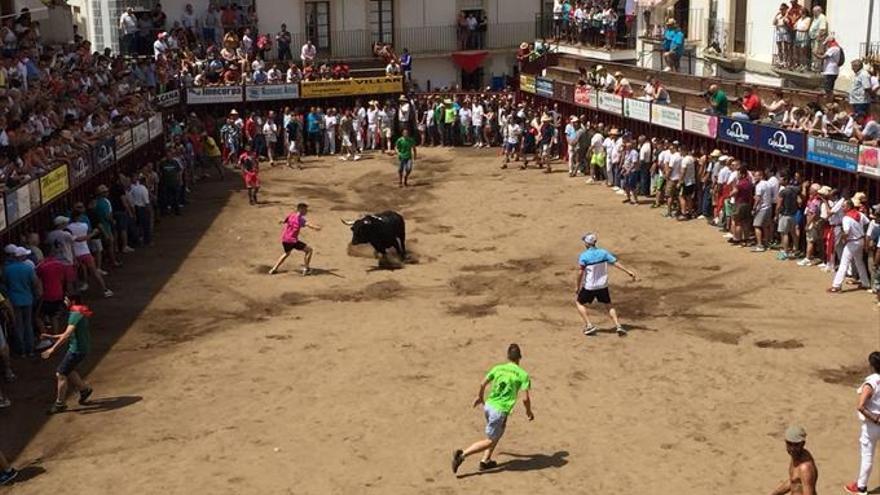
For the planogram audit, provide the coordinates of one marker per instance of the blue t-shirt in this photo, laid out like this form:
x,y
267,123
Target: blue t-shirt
x,y
19,283
313,123
595,262
674,41
406,61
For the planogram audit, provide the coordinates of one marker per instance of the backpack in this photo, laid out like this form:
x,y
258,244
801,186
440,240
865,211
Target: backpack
x,y
842,57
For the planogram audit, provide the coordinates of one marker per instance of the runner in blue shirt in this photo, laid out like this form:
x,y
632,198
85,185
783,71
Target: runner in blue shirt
x,y
592,282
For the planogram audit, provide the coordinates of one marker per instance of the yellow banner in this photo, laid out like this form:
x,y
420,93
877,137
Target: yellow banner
x,y
349,87
527,83
54,184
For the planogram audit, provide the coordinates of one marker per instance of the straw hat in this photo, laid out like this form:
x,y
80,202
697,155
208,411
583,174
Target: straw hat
x,y
670,22
233,112
546,118
715,153
859,198
824,191
523,45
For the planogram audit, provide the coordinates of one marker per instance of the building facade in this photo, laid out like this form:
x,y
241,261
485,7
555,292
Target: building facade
x,y
346,29
744,34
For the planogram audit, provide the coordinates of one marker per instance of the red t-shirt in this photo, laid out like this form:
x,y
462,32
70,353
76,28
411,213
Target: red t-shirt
x,y
743,191
54,275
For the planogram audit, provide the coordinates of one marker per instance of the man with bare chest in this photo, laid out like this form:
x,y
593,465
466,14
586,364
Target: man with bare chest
x,y
802,472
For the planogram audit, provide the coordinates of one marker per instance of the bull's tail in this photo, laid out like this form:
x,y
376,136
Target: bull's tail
x,y
401,240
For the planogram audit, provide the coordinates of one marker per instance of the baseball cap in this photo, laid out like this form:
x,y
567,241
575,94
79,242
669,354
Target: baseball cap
x,y
795,434
10,249
590,239
61,220
22,252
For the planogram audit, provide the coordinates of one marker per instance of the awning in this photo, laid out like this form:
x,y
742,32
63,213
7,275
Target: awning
x,y
470,60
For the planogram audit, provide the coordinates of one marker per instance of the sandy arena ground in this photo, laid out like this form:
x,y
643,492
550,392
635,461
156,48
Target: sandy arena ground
x,y
212,377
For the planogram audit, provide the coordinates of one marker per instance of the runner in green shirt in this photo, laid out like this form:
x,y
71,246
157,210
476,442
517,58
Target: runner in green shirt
x,y
406,153
507,380
78,341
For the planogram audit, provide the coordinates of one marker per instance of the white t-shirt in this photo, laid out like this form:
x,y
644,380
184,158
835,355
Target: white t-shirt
x,y
689,170
764,192
270,131
723,175
853,229
831,63
645,152
477,115
79,230
675,166
873,402
513,133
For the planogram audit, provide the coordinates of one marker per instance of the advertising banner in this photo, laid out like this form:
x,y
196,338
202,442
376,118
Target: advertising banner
x,y
54,184
18,203
637,110
168,98
350,87
270,92
869,160
214,94
701,123
81,167
544,87
667,116
610,103
741,132
563,91
124,144
140,134
585,96
835,154
782,142
527,83
154,125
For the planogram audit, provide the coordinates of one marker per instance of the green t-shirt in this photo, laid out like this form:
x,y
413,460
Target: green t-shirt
x,y
450,115
405,146
507,380
80,341
719,102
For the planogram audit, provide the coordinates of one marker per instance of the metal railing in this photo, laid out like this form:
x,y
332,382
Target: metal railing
x,y
870,52
796,54
589,33
725,39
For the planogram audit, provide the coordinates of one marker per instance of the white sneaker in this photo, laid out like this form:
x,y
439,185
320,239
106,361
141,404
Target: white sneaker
x,y
727,235
102,272
615,189
589,180
804,262
127,249
701,217
357,157
620,192
108,293
83,287
822,265
343,158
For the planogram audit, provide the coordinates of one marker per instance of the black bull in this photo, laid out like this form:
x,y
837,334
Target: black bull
x,y
382,231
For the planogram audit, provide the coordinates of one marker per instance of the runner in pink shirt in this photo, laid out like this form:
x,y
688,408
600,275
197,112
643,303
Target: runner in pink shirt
x,y
293,224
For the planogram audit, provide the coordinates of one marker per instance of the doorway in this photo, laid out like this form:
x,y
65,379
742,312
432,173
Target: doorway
x,y
472,81
318,24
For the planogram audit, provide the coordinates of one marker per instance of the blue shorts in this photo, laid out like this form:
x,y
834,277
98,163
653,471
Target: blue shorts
x,y
632,180
406,165
70,362
496,422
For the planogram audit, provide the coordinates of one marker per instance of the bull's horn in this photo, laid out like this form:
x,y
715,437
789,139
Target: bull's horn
x,y
347,222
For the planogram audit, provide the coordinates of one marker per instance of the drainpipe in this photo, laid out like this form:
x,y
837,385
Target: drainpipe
x,y
870,22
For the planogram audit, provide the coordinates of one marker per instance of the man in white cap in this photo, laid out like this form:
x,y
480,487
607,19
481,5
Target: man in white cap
x,y
60,240
802,472
23,289
853,232
592,282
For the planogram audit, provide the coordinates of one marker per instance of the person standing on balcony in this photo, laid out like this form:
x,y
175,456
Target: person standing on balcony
x,y
462,30
209,23
673,46
802,42
831,61
283,40
482,25
406,65
609,26
782,35
818,32
472,25
128,27
557,19
860,93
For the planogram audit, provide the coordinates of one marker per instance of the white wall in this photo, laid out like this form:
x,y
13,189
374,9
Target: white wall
x,y
440,71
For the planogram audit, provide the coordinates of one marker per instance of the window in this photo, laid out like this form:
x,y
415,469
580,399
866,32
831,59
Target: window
x,y
739,26
381,20
318,24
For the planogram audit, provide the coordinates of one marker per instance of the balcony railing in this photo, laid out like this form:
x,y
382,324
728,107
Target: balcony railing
x,y
587,34
798,54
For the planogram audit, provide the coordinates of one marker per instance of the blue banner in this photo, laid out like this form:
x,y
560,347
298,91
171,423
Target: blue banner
x,y
544,87
781,142
741,132
831,153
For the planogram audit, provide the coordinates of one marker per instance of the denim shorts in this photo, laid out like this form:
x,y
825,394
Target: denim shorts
x,y
406,165
496,422
69,363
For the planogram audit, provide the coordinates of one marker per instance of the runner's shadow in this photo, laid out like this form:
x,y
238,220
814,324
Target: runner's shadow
x,y
317,272
628,329
106,404
525,462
